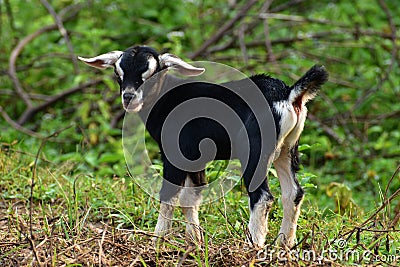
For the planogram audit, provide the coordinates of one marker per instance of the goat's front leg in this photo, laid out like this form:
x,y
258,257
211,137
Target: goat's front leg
x,y
292,194
190,200
172,185
168,200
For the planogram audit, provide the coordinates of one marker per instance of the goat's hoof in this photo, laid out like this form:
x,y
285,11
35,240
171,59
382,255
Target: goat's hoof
x,y
286,243
257,243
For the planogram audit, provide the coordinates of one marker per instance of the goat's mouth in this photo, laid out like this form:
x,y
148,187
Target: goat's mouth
x,y
133,106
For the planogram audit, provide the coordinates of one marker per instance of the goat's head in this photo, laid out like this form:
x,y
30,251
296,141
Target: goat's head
x,y
136,65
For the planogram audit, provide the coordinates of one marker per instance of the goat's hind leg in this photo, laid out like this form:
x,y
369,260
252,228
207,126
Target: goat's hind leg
x,y
292,194
260,201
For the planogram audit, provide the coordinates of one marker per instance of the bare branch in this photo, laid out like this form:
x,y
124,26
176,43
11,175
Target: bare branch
x,y
268,45
242,44
12,70
228,25
63,32
17,126
13,58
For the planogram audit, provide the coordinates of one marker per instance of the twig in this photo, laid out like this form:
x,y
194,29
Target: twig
x,y
117,117
33,179
13,58
268,44
34,170
12,70
228,25
33,246
101,253
184,256
17,126
384,204
390,181
296,18
242,44
63,32
299,38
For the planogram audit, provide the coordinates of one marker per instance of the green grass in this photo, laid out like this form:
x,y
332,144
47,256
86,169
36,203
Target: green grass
x,y
82,220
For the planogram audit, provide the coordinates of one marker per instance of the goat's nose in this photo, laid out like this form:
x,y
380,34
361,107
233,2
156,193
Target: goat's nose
x,y
128,96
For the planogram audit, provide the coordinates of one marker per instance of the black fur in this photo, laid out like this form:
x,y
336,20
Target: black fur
x,y
295,167
134,63
248,140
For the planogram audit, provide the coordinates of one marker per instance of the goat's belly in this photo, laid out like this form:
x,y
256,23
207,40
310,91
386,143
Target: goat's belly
x,y
205,138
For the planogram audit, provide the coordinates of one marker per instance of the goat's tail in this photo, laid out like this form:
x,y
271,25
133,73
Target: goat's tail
x,y
306,88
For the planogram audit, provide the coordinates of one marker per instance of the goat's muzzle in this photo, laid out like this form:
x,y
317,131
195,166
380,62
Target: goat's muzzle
x,y
132,102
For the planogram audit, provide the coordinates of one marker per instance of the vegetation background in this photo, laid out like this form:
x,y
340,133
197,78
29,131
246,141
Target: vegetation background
x,y
66,198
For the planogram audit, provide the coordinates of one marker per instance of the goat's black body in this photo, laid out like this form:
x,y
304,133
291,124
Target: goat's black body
x,y
283,113
198,129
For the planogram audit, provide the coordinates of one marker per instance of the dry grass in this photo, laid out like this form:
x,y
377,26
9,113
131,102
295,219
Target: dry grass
x,y
53,243
69,228
103,245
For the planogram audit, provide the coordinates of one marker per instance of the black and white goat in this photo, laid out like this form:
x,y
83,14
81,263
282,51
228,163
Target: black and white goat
x,y
138,64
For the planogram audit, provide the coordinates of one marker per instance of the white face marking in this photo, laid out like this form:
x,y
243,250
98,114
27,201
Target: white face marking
x,y
118,69
152,66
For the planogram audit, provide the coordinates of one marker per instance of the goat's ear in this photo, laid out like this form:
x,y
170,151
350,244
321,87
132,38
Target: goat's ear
x,y
172,61
103,61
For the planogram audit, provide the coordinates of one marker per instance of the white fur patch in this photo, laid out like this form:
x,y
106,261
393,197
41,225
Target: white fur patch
x,y
152,66
258,223
294,135
164,222
190,203
165,216
288,119
118,69
297,91
289,189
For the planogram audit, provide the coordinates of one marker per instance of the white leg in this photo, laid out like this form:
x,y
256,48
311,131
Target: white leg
x,y
164,221
258,224
190,200
292,195
169,197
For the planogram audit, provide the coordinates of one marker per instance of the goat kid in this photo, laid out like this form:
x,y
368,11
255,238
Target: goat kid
x,y
136,65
